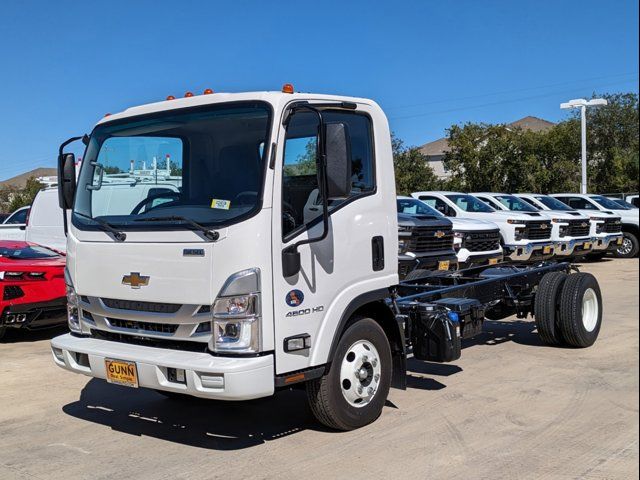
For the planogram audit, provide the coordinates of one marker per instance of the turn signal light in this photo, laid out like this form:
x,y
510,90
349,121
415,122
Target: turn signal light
x,y
171,97
207,91
188,94
287,88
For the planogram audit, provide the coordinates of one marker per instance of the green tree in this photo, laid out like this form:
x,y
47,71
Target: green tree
x,y
23,197
412,171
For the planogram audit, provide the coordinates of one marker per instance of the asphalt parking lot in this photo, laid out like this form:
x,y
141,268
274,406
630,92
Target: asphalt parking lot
x,y
509,408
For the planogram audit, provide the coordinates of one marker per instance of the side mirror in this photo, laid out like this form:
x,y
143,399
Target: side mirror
x,y
66,180
290,261
338,155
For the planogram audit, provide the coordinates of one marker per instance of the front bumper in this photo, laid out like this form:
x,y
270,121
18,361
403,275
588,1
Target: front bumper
x,y
468,259
608,242
34,316
207,376
408,263
577,246
530,252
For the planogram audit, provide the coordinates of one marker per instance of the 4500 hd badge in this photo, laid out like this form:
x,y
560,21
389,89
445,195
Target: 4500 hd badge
x,y
294,299
305,311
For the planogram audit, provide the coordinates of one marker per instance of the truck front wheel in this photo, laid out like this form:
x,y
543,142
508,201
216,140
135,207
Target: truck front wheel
x,y
353,392
629,247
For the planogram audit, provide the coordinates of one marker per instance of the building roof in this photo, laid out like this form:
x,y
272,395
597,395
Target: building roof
x,y
20,181
534,124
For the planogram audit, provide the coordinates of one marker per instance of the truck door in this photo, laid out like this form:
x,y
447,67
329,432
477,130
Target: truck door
x,y
306,304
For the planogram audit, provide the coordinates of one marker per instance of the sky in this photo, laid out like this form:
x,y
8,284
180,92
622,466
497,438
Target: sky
x,y
429,64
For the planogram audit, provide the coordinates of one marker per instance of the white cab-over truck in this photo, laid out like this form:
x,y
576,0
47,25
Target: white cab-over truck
x,y
570,230
224,290
617,227
523,238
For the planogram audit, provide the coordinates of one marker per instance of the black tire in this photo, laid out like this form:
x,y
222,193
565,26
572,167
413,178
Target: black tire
x,y
629,247
547,307
499,312
418,274
324,394
3,330
571,321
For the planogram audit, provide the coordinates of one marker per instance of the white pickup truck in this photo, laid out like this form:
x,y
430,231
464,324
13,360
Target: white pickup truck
x,y
14,226
619,225
523,238
571,231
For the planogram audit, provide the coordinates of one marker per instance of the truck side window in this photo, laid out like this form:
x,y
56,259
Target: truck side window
x,y
439,205
578,203
301,201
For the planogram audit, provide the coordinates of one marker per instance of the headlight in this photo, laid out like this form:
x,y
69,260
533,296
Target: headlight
x,y
514,222
236,314
458,237
402,245
73,318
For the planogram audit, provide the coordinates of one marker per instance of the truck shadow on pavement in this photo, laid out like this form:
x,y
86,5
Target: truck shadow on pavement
x,y
496,332
22,335
208,424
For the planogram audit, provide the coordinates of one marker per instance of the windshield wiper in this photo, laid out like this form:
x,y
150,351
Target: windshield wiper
x,y
106,227
210,234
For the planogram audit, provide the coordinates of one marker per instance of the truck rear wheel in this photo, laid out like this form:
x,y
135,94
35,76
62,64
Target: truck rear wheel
x,y
547,307
580,310
353,392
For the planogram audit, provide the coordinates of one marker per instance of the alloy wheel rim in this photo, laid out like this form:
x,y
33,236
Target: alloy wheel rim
x,y
360,373
590,310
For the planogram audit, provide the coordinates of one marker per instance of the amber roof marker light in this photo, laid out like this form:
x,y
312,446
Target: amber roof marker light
x,y
171,97
188,94
287,88
207,91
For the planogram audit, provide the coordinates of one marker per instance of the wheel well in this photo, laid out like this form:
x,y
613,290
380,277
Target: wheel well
x,y
627,227
382,314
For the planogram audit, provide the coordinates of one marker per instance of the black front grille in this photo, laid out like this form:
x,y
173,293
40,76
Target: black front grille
x,y
133,305
537,230
12,292
612,226
484,241
151,327
429,239
579,228
150,342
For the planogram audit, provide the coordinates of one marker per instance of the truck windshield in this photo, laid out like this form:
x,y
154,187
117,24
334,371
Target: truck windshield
x,y
515,204
553,203
416,207
205,164
608,203
470,204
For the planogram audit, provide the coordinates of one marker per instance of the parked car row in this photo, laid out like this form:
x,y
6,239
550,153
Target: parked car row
x,y
487,227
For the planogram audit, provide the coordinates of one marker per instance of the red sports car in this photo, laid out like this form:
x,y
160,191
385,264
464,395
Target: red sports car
x,y
32,287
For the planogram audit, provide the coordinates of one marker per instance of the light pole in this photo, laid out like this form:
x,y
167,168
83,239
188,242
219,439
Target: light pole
x,y
582,104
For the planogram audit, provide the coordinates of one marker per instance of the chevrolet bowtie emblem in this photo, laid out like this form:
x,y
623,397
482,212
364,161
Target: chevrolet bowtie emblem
x,y
439,234
135,280
584,225
544,226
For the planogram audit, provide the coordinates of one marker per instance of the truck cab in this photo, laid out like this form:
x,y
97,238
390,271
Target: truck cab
x,y
224,286
570,230
618,232
425,240
523,238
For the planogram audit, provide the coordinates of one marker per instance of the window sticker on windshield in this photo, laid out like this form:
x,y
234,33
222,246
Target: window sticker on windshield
x,y
220,204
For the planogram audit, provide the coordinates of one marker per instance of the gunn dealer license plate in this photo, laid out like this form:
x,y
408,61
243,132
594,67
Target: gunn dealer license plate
x,y
121,372
444,265
546,250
